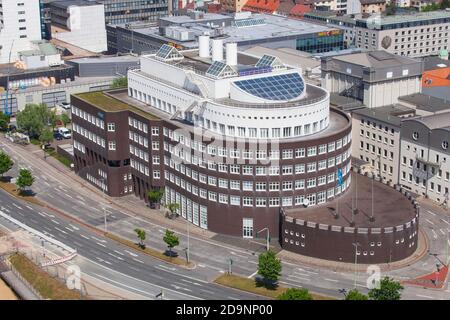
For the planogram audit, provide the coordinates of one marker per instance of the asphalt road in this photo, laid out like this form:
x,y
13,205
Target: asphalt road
x,y
66,193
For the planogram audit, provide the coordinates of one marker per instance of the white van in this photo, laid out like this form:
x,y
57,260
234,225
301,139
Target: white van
x,y
66,133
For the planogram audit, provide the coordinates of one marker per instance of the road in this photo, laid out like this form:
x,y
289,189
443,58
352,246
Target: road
x,y
64,191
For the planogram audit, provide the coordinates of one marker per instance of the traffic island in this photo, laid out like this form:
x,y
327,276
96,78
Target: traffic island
x,y
14,191
151,252
47,286
252,286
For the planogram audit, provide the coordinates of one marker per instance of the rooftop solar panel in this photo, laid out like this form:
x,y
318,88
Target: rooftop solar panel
x,y
279,87
266,60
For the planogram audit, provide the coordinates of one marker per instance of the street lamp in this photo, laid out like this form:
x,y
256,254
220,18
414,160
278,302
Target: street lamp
x,y
188,238
356,245
43,149
104,205
267,237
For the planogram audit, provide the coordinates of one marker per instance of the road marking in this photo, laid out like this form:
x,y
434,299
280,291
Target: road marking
x,y
178,287
297,277
252,275
29,207
429,221
60,230
430,212
40,213
83,236
78,244
201,265
442,231
434,234
74,227
423,296
54,221
332,280
118,252
67,228
18,207
445,221
137,260
97,239
131,253
113,255
166,268
101,244
194,283
232,298
180,275
19,213
50,196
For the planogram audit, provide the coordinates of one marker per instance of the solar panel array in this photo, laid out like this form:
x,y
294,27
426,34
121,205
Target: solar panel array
x,y
249,22
279,87
216,68
164,51
265,61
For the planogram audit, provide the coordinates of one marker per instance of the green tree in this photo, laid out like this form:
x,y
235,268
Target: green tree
x,y
24,179
171,240
269,267
445,4
391,9
46,136
295,294
155,195
4,121
65,119
389,289
141,236
355,295
5,163
173,207
119,83
34,118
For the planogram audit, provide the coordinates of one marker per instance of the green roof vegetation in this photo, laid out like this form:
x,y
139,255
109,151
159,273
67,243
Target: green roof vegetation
x,y
102,101
110,104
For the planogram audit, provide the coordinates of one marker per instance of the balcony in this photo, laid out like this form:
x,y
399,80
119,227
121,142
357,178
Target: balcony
x,y
428,162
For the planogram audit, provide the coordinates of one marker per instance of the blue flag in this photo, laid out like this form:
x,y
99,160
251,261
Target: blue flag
x,y
339,176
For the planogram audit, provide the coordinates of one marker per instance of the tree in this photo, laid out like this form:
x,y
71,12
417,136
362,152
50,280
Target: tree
x,y
5,163
65,119
355,295
173,207
141,236
171,240
391,9
445,4
119,83
34,118
155,196
24,179
4,121
389,289
295,294
269,267
46,136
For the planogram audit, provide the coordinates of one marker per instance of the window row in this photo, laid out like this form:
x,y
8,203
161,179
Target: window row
x,y
89,135
88,117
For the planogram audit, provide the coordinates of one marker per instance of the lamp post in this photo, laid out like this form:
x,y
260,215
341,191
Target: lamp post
x,y
104,205
267,237
356,245
188,238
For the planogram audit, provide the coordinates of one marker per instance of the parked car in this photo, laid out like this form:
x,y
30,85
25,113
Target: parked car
x,y
64,105
66,133
58,136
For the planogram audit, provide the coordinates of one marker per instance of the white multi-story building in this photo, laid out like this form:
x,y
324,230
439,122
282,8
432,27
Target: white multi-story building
x,y
20,25
79,23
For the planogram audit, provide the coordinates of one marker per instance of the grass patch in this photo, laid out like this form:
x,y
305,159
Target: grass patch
x,y
99,99
149,251
13,190
36,142
47,286
250,285
52,153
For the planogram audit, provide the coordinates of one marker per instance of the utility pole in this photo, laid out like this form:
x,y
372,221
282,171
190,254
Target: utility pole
x,y
104,205
356,244
267,237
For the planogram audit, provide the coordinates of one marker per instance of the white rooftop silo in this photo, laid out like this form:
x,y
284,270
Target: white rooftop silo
x,y
231,53
203,45
217,50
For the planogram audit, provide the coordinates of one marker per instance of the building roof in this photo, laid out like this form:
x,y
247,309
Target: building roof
x,y
367,2
106,59
289,57
387,114
436,121
376,59
434,62
426,102
265,6
64,4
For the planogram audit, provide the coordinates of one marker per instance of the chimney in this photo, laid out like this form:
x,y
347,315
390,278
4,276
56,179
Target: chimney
x,y
203,45
231,53
217,50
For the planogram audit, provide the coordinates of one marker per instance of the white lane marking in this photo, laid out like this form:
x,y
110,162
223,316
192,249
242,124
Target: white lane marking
x,y
40,213
113,255
332,280
102,260
180,275
50,196
442,231
97,239
78,244
431,212
18,207
74,227
83,236
429,221
54,221
232,298
118,252
445,221
7,210
131,253
423,296
298,277
67,228
191,282
101,244
252,275
29,207
137,260
19,213
60,230
201,265
166,268
434,234
178,287
68,196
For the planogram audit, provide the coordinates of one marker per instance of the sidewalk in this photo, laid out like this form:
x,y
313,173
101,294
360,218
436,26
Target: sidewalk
x,y
421,250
